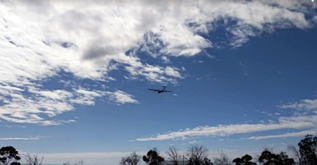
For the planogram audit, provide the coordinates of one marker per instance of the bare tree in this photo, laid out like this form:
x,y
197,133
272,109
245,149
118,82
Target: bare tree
x,y
33,159
67,163
173,155
197,154
223,159
80,163
133,159
296,153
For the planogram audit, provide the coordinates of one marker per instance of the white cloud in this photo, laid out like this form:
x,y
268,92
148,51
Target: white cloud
x,y
156,73
18,138
286,135
40,106
295,122
39,39
306,104
121,97
172,72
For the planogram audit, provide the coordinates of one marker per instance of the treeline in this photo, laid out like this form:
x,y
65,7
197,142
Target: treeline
x,y
304,154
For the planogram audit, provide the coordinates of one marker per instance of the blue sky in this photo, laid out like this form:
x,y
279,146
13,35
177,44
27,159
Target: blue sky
x,y
75,77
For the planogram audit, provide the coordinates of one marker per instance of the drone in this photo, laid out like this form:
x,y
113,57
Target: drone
x,y
160,91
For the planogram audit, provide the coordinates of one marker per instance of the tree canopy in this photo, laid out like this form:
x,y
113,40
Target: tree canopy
x,y
152,157
308,150
9,156
244,160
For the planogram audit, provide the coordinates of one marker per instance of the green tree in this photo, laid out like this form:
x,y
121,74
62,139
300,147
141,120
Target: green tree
x,y
152,157
308,150
132,159
9,156
244,160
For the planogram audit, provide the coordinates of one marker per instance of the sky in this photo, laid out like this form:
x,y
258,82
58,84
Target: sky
x,y
75,76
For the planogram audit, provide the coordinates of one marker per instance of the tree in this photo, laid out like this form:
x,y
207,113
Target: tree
x,y
269,158
173,155
132,159
244,160
67,163
80,163
284,159
296,153
33,159
152,157
197,155
308,150
222,160
9,156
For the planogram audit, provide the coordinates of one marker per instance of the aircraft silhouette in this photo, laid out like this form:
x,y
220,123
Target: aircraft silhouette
x,y
160,91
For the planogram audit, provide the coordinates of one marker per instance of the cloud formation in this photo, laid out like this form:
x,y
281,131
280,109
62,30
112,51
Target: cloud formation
x,y
41,39
33,105
18,138
306,105
306,123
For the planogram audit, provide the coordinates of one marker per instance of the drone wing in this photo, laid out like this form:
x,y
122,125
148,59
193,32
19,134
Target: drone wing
x,y
155,90
167,91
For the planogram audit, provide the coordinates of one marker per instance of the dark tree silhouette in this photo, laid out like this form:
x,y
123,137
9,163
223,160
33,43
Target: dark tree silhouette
x,y
173,155
308,150
197,154
207,162
269,158
152,157
244,160
284,159
133,159
9,156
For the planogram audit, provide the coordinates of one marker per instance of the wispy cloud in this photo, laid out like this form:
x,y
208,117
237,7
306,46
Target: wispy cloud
x,y
286,135
18,138
304,123
306,104
38,106
121,97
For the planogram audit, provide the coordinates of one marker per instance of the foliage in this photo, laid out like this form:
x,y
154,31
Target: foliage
x,y
269,158
152,157
308,150
9,156
132,159
244,160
